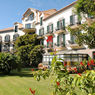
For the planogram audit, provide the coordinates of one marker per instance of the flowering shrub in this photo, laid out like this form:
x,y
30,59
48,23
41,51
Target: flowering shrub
x,y
65,83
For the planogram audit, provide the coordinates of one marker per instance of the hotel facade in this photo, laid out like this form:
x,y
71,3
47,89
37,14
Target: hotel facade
x,y
49,24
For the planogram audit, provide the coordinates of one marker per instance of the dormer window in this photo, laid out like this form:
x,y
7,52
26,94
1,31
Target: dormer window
x,y
16,28
41,21
31,16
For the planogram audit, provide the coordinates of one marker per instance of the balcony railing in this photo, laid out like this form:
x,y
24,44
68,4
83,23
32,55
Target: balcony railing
x,y
60,30
29,30
75,25
49,33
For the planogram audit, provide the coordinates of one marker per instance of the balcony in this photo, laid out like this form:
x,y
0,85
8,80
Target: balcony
x,y
76,25
60,47
75,46
29,30
60,30
49,33
40,36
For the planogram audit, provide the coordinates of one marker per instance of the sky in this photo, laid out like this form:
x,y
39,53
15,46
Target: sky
x,y
12,10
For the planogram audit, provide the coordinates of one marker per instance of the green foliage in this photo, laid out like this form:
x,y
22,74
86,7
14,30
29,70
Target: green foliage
x,y
65,83
36,55
9,62
85,7
28,50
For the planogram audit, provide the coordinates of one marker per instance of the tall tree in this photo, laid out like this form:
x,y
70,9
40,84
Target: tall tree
x,y
25,45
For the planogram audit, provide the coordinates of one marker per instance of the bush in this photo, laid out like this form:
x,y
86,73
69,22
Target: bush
x,y
9,62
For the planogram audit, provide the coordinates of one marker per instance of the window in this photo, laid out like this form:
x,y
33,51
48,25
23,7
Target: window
x,y
15,36
61,24
7,38
16,28
50,28
41,32
41,21
49,44
72,19
72,39
28,26
61,40
6,48
42,42
31,16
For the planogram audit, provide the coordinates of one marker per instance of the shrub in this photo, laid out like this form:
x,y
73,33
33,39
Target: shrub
x,y
8,62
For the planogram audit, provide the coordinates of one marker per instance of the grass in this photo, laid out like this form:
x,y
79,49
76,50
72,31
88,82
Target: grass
x,y
19,84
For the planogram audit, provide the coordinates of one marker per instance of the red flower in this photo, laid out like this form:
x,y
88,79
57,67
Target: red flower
x,y
79,74
92,62
75,69
81,63
94,54
32,69
58,83
32,91
88,63
50,38
65,64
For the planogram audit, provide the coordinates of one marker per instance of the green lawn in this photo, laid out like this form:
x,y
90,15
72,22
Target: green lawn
x,y
19,84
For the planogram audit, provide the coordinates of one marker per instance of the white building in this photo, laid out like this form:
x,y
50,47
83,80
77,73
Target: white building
x,y
8,37
52,23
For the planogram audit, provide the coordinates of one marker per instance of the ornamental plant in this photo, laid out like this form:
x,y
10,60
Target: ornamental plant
x,y
66,83
9,62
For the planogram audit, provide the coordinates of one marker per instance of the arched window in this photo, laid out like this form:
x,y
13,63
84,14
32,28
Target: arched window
x,y
7,38
15,36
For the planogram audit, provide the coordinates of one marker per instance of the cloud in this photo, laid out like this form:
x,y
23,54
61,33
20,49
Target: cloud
x,y
36,3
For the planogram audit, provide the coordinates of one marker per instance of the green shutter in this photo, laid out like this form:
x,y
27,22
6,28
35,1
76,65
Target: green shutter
x,y
52,42
47,44
58,40
47,29
64,40
41,20
52,27
58,25
63,24
39,32
43,31
71,19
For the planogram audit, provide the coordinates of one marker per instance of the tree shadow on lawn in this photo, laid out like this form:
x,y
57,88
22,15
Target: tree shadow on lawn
x,y
20,74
